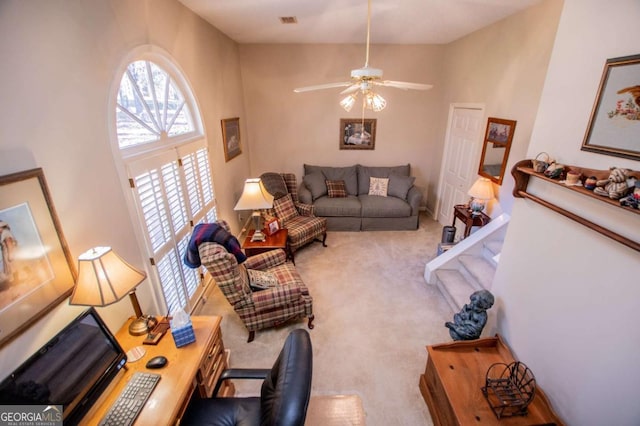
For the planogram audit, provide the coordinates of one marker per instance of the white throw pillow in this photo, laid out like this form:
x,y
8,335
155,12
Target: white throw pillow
x,y
261,280
378,186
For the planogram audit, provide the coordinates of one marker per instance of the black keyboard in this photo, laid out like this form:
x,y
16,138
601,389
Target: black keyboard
x,y
131,400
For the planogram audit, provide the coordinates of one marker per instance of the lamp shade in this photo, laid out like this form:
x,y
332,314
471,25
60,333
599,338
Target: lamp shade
x,y
374,101
347,103
103,278
254,196
482,189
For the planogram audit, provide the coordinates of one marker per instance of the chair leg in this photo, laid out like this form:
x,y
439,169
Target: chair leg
x,y
324,239
310,323
252,335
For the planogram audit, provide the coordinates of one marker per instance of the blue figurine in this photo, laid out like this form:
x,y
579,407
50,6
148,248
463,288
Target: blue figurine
x,y
469,322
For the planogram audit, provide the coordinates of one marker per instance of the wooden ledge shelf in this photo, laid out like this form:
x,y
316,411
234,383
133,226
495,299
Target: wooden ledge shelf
x,y
523,171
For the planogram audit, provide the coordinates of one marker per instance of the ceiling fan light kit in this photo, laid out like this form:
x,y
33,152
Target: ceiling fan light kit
x,y
363,80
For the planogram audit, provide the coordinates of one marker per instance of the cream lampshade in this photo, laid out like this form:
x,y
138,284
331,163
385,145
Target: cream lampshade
x,y
255,197
105,278
481,192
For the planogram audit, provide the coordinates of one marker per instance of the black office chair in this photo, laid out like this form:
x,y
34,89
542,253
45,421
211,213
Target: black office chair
x,y
283,399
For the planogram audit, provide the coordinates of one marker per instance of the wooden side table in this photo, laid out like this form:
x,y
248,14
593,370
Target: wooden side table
x,y
271,242
463,213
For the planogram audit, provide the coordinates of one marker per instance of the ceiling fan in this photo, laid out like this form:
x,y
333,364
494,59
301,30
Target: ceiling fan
x,y
364,80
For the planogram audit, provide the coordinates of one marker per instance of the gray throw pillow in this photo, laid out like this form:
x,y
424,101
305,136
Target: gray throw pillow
x,y
399,186
315,182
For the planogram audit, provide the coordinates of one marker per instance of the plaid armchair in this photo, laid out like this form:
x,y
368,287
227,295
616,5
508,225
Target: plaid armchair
x,y
288,298
302,225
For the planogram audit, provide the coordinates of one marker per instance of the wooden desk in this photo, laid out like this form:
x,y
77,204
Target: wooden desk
x,y
271,242
194,366
453,378
463,213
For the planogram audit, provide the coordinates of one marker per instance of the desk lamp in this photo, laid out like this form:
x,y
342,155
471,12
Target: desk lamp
x,y
481,192
105,278
255,197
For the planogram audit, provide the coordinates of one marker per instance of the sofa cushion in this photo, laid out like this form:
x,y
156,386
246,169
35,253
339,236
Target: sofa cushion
x,y
315,183
348,206
378,186
285,209
374,206
399,186
365,172
336,189
348,174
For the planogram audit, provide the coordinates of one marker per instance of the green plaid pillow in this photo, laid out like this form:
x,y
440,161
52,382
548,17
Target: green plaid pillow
x,y
284,207
336,188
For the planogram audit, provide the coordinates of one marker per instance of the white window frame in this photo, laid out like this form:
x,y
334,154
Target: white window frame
x,y
166,260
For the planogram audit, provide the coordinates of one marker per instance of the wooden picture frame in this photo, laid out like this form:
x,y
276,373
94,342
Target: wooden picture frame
x,y
495,149
351,133
272,226
614,125
36,269
231,138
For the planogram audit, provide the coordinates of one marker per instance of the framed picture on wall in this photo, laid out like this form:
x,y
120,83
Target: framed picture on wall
x,y
36,268
357,133
614,126
231,138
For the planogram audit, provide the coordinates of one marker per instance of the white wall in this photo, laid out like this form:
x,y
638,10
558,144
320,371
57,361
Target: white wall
x,y
567,297
58,63
503,67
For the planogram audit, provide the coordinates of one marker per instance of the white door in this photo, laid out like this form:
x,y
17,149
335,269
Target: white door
x,y
463,145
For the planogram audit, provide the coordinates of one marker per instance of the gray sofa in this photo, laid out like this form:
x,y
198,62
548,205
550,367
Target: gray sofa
x,y
358,210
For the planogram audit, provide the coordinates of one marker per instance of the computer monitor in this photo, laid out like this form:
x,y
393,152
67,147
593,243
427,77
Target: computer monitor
x,y
71,370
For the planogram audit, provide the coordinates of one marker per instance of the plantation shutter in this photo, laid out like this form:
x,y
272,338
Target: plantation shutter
x,y
173,192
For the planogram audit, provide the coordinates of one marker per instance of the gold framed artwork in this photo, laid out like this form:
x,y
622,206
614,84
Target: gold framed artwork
x,y
495,149
614,125
36,269
231,138
357,133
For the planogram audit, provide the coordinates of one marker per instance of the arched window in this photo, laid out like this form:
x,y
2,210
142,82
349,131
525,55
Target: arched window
x,y
166,161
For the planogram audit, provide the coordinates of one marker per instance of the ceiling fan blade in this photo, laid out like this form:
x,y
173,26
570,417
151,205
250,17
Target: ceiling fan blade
x,y
404,85
351,88
322,86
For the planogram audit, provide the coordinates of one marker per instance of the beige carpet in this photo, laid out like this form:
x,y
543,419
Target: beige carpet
x,y
374,316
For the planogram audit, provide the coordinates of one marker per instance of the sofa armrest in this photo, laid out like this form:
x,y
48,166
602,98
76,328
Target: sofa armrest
x,y
414,198
305,209
266,260
304,195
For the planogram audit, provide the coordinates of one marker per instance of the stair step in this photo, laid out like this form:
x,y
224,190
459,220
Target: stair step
x,y
494,246
454,287
480,269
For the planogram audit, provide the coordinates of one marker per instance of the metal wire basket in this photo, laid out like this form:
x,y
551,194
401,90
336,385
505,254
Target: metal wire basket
x,y
509,389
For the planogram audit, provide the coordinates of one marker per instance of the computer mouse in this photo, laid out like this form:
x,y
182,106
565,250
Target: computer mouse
x,y
157,362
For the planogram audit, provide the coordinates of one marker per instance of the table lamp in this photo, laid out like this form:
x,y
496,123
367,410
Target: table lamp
x,y
481,192
255,197
105,278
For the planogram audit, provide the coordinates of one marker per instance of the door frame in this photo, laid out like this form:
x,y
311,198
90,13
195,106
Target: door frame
x,y
447,142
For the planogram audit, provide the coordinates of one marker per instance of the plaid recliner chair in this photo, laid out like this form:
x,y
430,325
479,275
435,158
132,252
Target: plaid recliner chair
x,y
284,297
302,225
